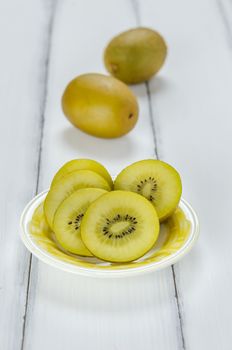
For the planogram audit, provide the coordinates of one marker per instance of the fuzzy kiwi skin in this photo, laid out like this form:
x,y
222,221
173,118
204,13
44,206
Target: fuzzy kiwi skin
x,y
100,105
165,175
82,164
135,55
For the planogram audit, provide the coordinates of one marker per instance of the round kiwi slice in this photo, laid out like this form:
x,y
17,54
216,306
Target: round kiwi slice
x,y
82,164
157,181
120,226
69,184
68,217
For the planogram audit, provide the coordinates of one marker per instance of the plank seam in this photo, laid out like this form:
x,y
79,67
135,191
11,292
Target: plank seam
x,y
225,21
41,136
135,5
178,309
156,153
152,122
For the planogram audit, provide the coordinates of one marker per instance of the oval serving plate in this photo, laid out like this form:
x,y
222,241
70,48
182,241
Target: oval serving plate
x,y
177,236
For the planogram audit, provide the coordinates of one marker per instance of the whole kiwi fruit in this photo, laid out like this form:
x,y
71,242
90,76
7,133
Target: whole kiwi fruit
x,y
135,55
100,105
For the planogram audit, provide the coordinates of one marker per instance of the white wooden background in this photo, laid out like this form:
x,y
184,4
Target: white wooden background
x,y
185,119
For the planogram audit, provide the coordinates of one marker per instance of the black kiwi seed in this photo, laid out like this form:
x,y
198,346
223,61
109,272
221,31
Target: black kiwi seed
x,y
119,218
77,221
150,180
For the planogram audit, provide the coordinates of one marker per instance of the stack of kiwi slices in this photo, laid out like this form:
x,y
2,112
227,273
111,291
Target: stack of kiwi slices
x,y
118,221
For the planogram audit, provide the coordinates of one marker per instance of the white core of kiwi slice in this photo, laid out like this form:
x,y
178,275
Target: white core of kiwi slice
x,y
68,217
69,184
120,226
156,180
82,164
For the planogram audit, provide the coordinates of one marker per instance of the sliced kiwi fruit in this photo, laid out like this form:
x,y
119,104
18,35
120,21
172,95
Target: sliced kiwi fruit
x,y
67,185
120,226
82,164
156,180
68,217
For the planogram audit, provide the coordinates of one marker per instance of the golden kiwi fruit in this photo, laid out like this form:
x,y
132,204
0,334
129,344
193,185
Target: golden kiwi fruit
x,y
100,105
135,55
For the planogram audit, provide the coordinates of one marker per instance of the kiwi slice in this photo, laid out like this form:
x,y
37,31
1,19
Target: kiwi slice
x,y
68,217
69,184
157,181
82,164
120,226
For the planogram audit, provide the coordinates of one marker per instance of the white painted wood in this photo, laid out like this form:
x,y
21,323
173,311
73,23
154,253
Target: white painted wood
x,y
77,312
192,110
70,311
23,40
191,107
77,47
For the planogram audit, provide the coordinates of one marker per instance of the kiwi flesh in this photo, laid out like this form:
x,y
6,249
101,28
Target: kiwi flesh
x,y
82,164
156,180
68,217
69,184
120,226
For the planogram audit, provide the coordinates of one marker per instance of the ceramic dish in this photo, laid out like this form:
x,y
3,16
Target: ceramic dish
x,y
177,236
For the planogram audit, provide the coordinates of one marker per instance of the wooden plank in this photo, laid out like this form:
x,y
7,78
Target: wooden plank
x,y
77,312
23,38
192,110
